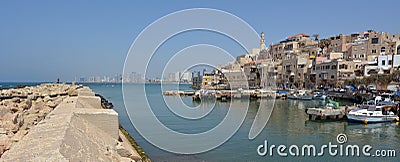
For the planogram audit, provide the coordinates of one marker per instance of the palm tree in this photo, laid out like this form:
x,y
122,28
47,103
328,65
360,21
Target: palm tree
x,y
316,36
324,43
385,79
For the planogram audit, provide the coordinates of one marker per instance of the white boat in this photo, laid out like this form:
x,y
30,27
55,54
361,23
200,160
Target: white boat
x,y
293,96
306,97
303,95
299,95
373,114
319,96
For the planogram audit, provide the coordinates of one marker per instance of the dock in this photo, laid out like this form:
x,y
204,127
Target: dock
x,y
225,95
178,93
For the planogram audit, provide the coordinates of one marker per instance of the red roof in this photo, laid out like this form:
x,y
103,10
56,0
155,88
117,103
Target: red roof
x,y
301,34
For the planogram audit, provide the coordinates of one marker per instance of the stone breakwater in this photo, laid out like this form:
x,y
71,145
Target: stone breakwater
x,y
23,108
60,122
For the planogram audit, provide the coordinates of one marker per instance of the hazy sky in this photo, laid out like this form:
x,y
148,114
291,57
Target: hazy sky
x,y
46,40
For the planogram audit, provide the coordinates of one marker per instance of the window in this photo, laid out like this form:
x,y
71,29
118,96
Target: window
x,y
374,41
383,49
319,75
373,51
332,77
341,66
362,55
333,66
383,62
355,56
327,67
390,62
398,50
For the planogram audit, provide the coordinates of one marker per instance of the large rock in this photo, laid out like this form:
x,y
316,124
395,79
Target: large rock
x,y
38,105
26,105
16,100
4,143
122,151
93,102
51,104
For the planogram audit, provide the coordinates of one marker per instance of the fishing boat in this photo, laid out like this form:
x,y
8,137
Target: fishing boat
x,y
330,112
319,96
281,94
300,95
293,96
374,111
303,95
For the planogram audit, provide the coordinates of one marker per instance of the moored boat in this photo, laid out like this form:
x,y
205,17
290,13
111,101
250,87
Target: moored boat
x,y
319,96
303,95
282,94
371,115
330,112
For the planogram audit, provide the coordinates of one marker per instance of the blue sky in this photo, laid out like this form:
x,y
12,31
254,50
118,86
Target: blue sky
x,y
45,40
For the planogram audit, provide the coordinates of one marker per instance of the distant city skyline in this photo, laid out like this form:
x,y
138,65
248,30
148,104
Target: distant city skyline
x,y
46,40
136,77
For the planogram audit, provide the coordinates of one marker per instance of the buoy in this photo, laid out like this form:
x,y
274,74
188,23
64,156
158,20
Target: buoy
x,y
365,121
397,119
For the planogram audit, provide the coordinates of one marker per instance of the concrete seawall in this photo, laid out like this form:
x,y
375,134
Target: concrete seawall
x,y
78,129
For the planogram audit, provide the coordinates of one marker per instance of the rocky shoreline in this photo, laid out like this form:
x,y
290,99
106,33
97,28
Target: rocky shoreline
x,y
63,122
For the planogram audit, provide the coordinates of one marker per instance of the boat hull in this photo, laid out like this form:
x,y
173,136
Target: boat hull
x,y
305,97
371,119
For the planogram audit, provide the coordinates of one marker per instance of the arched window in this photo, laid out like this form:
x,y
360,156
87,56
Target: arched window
x,y
383,49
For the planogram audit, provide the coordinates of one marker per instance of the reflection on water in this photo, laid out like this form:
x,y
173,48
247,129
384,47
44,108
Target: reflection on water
x,y
288,124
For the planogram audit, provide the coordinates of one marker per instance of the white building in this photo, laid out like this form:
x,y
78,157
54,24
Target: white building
x,y
382,65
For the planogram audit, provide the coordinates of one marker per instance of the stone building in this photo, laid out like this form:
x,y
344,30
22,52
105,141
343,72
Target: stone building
x,y
214,80
295,71
252,74
235,79
332,73
294,44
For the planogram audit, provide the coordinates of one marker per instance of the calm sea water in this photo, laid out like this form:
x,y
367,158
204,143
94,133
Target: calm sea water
x,y
288,125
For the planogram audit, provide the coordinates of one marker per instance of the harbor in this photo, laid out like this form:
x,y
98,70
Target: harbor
x,y
383,106
288,124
